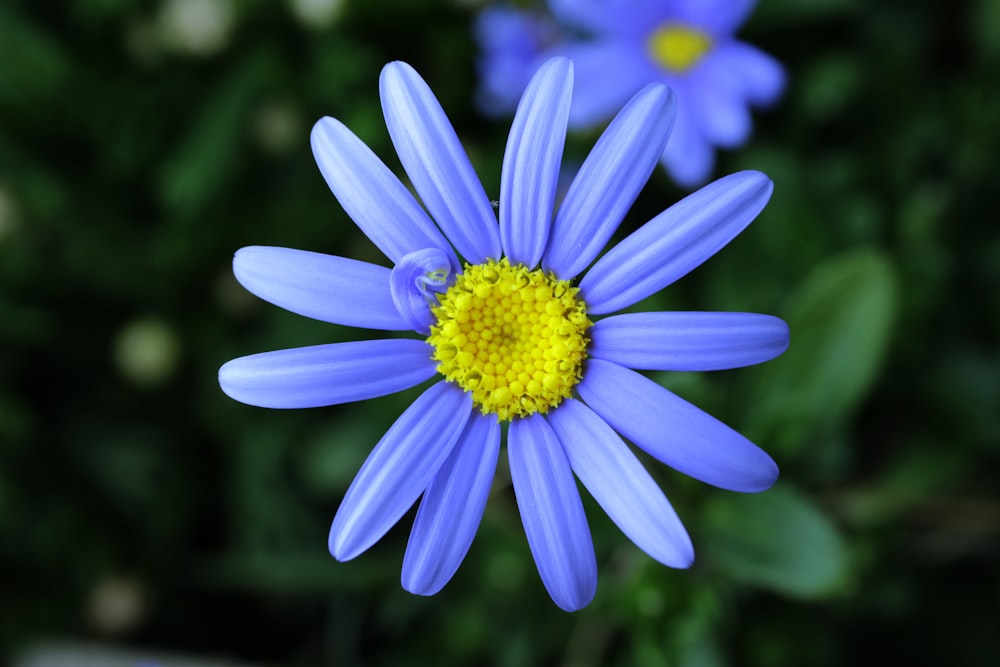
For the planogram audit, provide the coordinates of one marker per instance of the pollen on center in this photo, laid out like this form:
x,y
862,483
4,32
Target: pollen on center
x,y
514,338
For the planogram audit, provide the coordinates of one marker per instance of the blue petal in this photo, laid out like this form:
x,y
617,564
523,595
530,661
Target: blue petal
x,y
371,195
398,470
607,74
415,281
675,242
610,180
452,507
677,341
721,110
756,75
323,287
510,44
437,164
620,484
531,163
621,18
689,157
674,431
719,18
309,377
552,513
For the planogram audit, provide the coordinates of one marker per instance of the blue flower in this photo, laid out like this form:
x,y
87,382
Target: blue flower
x,y
513,335
626,44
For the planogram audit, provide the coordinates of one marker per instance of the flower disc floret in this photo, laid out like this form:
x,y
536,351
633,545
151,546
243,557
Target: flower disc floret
x,y
678,48
514,338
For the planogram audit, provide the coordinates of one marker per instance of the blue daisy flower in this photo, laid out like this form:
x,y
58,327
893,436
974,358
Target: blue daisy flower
x,y
512,335
618,46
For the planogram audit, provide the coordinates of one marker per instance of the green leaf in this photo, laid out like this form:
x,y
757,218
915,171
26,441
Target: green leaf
x,y
34,64
840,320
776,540
208,154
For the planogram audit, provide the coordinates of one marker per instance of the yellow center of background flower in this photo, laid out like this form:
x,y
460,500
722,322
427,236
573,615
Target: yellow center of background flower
x,y
678,48
514,338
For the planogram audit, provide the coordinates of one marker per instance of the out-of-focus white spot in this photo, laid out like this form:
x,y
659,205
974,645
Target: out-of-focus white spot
x,y
146,351
9,217
277,127
116,605
196,27
316,14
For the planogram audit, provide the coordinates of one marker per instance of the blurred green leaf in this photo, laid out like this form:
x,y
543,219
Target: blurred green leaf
x,y
32,65
777,540
207,155
840,320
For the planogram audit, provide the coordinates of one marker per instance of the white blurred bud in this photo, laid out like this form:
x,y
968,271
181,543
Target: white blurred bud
x,y
116,605
146,351
196,27
316,14
9,218
277,127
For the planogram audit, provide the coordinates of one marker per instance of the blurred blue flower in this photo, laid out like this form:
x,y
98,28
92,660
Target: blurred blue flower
x,y
618,46
509,331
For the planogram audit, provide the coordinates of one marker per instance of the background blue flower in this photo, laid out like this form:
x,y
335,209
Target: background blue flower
x,y
619,46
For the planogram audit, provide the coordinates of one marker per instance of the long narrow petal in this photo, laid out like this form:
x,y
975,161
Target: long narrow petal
x,y
678,341
674,431
620,484
609,180
399,469
675,242
531,162
371,195
323,287
437,164
452,508
552,513
309,377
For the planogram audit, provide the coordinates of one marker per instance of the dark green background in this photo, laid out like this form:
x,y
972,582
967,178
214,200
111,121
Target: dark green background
x,y
131,170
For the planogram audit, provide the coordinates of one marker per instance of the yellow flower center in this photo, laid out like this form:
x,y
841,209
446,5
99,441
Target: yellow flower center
x,y
514,338
678,48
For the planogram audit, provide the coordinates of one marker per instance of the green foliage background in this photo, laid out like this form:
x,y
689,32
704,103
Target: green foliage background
x,y
141,508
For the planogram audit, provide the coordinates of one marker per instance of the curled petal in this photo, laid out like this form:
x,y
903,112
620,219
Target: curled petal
x,y
609,180
437,164
552,513
399,469
675,242
620,484
532,160
323,287
452,508
416,280
309,377
678,341
371,195
674,431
